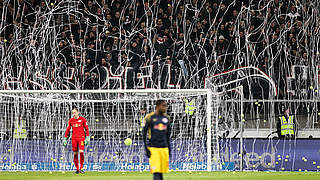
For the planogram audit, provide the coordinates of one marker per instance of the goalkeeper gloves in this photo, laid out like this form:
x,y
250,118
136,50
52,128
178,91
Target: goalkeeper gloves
x,y
65,141
86,142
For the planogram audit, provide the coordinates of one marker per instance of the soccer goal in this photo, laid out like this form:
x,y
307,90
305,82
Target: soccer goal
x,y
33,124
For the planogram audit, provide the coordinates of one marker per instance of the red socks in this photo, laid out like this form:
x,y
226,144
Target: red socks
x,y
81,160
76,161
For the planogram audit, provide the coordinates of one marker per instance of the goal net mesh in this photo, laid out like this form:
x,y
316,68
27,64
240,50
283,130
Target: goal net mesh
x,y
33,126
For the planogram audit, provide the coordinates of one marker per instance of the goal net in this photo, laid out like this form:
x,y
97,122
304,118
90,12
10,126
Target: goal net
x,y
33,124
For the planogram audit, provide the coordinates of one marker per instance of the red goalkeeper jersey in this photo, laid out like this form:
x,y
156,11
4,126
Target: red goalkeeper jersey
x,y
78,127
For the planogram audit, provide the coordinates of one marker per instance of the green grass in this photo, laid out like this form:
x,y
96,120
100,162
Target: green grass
x,y
169,176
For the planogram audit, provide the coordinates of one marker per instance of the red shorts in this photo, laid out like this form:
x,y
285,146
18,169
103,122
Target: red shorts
x,y
77,144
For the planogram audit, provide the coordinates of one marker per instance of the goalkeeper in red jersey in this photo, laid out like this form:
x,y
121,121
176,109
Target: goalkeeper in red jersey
x,y
80,138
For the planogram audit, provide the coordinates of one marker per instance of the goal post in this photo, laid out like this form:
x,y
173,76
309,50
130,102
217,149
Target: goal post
x,y
34,122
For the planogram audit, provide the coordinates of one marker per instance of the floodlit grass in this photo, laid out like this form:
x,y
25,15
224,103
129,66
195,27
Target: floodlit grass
x,y
169,176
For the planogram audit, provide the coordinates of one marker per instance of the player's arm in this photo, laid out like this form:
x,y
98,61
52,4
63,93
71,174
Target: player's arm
x,y
85,125
67,133
168,135
144,134
68,130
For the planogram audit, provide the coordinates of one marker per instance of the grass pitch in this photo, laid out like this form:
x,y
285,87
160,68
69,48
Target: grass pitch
x,y
169,176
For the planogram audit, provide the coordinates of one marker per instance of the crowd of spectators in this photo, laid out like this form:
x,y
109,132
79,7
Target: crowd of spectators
x,y
196,38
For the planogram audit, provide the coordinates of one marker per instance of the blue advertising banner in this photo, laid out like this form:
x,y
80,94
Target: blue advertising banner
x,y
39,155
260,154
104,166
269,154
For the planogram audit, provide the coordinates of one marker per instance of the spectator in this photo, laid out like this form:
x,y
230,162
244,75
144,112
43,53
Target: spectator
x,y
272,35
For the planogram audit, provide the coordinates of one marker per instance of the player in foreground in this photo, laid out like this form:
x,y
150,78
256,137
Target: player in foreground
x,y
156,137
79,137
